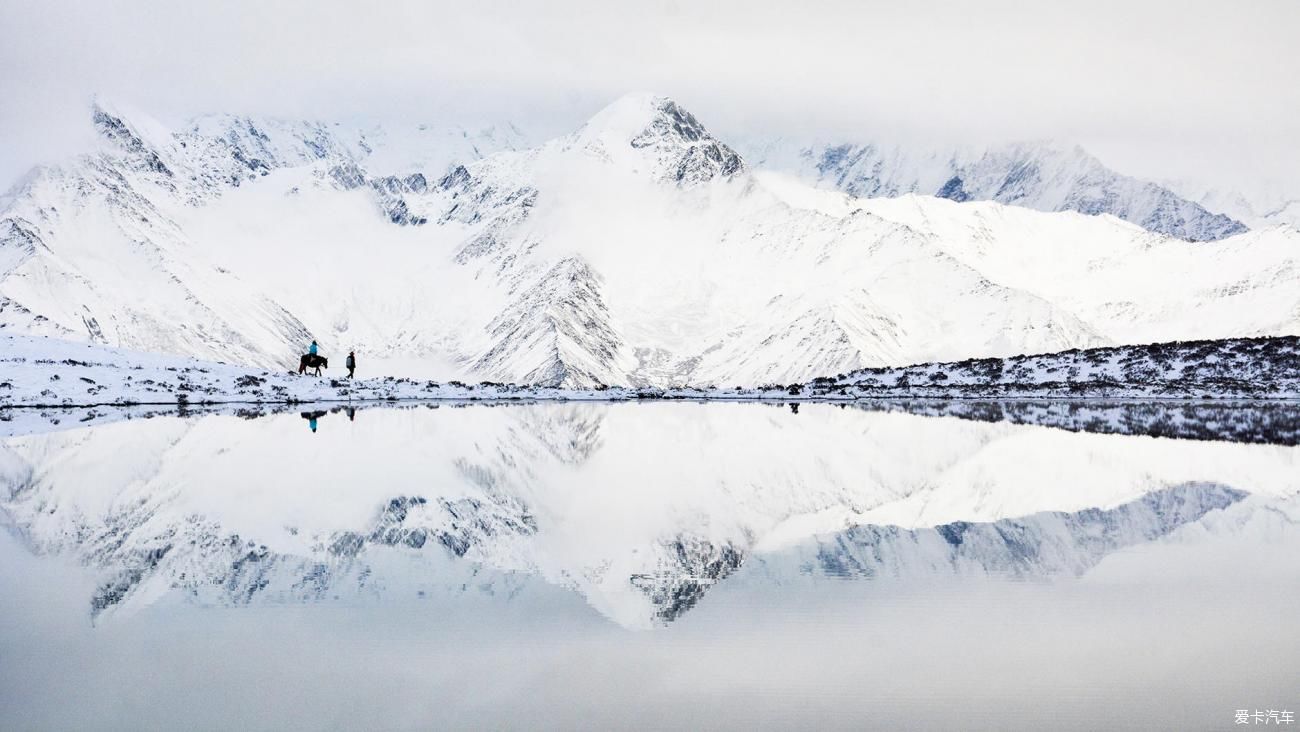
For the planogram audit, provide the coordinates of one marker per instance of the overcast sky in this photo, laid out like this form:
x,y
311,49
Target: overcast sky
x,y
1160,89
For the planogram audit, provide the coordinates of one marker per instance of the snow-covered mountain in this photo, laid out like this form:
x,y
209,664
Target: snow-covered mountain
x,y
639,249
1042,176
229,511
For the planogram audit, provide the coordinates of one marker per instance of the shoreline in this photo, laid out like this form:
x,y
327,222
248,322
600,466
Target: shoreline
x,y
1266,421
676,397
42,374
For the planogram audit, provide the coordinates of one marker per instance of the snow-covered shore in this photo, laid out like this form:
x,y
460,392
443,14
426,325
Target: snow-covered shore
x,y
47,372
37,372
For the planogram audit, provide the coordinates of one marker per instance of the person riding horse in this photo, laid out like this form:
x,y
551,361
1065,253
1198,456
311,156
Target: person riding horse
x,y
312,360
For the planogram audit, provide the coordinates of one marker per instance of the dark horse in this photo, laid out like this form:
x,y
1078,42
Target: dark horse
x,y
312,361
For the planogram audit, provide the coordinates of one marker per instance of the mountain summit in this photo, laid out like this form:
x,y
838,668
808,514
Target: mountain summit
x,y
657,129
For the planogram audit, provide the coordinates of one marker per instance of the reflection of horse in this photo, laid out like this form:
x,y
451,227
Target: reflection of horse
x,y
312,361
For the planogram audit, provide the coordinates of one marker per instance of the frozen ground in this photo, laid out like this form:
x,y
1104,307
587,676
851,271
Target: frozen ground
x,y
47,372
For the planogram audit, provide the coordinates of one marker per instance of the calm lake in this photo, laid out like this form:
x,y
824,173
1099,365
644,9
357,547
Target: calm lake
x,y
654,565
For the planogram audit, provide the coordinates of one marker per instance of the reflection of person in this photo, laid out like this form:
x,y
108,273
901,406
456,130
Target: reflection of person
x,y
311,418
351,363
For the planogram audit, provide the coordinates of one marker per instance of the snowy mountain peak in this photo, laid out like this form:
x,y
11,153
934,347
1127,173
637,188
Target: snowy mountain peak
x,y
627,116
644,125
139,140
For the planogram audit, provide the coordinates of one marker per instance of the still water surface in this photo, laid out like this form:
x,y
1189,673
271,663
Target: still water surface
x,y
654,565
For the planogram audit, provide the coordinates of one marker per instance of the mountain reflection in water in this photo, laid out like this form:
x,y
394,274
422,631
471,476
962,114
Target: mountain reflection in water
x,y
646,514
640,508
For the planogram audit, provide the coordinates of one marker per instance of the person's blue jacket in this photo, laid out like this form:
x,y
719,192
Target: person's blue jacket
x,y
312,350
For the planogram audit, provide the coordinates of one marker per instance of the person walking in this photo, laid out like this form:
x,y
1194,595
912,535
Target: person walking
x,y
351,363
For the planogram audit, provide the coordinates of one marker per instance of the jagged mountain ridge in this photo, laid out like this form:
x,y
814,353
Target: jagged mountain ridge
x,y
638,250
1042,176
